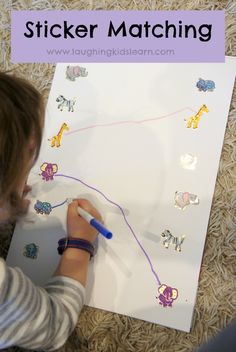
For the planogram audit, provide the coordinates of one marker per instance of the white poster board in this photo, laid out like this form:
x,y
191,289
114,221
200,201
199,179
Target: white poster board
x,y
123,150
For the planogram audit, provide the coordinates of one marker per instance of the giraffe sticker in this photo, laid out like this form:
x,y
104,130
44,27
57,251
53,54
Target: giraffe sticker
x,y
56,140
194,120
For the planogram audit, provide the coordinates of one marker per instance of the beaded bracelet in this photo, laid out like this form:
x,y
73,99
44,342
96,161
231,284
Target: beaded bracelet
x,y
73,242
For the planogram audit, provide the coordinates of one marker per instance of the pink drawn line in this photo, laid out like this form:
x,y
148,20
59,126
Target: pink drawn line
x,y
123,214
128,121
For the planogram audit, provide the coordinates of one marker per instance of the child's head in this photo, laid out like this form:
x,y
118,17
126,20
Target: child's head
x,y
21,123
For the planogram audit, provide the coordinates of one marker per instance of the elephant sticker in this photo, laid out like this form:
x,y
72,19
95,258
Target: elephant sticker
x,y
183,199
167,295
48,171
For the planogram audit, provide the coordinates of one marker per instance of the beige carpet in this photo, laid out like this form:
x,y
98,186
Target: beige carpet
x,y
216,300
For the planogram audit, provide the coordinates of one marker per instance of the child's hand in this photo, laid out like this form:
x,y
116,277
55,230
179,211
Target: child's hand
x,y
76,225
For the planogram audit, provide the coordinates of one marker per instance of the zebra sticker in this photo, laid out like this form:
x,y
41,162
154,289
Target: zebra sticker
x,y
65,103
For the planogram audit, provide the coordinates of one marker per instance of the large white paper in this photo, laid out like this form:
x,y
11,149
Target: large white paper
x,y
123,148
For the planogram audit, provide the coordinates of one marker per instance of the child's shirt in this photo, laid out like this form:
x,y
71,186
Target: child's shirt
x,y
34,317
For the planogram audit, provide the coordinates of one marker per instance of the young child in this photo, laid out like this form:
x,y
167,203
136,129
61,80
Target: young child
x,y
34,317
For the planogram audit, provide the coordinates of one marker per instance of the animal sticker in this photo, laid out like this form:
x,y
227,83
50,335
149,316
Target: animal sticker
x,y
205,85
72,72
193,121
167,295
183,199
48,171
56,140
64,103
188,161
42,207
170,239
31,251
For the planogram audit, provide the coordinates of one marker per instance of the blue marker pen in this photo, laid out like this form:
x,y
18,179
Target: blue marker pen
x,y
95,223
92,221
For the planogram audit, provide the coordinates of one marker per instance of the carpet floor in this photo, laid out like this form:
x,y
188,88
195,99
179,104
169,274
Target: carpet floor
x,y
102,331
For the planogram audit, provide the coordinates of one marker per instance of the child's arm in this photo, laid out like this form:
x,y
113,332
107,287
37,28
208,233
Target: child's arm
x,y
37,318
43,318
74,262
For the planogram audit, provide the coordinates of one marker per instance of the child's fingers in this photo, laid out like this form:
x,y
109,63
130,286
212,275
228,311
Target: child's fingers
x,y
72,211
86,205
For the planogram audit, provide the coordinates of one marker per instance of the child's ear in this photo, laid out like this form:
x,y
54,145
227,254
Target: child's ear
x,y
24,206
32,143
26,189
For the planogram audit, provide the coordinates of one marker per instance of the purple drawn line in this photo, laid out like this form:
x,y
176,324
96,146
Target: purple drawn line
x,y
123,214
127,121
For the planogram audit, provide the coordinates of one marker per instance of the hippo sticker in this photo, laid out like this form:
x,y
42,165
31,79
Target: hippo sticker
x,y
73,72
42,207
205,85
167,295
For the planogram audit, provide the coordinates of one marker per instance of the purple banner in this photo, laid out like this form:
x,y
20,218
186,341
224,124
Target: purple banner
x,y
117,36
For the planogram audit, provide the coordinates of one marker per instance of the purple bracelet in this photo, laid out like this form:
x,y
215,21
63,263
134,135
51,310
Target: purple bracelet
x,y
72,242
